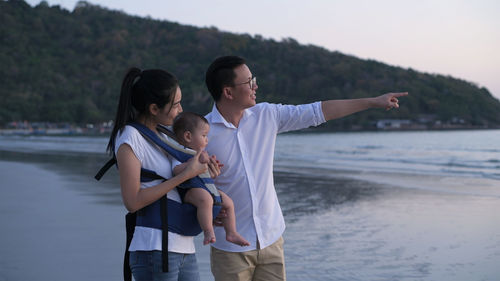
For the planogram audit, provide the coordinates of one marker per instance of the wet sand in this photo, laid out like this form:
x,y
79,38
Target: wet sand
x,y
52,232
63,226
60,224
345,229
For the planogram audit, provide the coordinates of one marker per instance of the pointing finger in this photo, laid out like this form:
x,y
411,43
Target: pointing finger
x,y
400,94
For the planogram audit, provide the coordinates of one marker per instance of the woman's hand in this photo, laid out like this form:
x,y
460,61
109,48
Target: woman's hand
x,y
194,166
204,158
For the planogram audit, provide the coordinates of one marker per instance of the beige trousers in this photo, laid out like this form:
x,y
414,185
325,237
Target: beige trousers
x,y
266,264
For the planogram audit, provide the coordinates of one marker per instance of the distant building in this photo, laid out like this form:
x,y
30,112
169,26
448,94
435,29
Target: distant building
x,y
393,124
426,118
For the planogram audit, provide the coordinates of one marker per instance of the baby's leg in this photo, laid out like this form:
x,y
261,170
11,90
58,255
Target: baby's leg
x,y
204,203
230,222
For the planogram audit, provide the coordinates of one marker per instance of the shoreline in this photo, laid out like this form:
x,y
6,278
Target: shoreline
x,y
105,133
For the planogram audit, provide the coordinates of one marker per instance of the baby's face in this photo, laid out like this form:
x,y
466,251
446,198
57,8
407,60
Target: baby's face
x,y
199,138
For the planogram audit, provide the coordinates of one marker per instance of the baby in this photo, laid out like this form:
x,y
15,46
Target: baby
x,y
191,131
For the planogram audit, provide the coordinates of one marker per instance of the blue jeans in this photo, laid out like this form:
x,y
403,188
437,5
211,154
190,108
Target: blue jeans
x,y
146,265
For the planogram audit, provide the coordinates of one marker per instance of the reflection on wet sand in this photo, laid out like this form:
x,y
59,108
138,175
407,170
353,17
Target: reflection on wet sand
x,y
301,195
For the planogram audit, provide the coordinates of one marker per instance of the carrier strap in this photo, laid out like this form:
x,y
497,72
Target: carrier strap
x,y
183,219
130,227
105,168
166,144
164,233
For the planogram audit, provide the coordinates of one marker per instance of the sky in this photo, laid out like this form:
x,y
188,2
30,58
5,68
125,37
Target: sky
x,y
460,38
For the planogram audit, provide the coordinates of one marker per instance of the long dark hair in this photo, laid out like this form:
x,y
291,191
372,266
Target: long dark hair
x,y
139,90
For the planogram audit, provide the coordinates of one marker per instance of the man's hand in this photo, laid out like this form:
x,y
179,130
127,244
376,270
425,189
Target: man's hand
x,y
388,101
214,166
220,217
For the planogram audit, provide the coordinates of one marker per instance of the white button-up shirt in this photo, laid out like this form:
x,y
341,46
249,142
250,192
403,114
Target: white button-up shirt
x,y
247,153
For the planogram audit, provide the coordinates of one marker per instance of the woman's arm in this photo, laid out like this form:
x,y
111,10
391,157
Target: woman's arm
x,y
179,168
134,197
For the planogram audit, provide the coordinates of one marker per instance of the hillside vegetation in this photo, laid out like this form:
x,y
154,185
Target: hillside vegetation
x,y
67,66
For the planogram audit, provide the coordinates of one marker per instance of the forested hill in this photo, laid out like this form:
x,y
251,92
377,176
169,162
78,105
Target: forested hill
x,y
59,65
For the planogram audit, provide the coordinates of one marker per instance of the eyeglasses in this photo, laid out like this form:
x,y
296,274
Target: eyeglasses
x,y
252,83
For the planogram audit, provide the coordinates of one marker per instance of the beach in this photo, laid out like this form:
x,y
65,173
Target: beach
x,y
52,232
357,230
57,227
405,212
60,224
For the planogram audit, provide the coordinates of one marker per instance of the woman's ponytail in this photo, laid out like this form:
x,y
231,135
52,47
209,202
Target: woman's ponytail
x,y
125,112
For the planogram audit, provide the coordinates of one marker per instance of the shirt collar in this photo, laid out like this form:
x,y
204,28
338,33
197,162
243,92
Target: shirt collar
x,y
218,118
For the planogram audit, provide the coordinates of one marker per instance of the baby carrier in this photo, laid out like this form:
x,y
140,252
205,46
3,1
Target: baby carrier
x,y
166,214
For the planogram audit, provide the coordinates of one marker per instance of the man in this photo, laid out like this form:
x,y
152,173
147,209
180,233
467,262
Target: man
x,y
243,136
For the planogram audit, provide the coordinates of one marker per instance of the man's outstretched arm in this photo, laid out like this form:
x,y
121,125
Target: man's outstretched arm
x,y
333,109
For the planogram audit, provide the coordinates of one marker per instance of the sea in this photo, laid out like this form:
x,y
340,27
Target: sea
x,y
412,205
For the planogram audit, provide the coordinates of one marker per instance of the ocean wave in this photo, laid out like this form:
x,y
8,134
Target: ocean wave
x,y
435,166
370,147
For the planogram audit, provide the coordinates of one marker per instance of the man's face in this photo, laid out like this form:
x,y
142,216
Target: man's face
x,y
242,95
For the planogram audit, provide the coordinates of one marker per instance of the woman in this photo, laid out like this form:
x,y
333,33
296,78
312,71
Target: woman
x,y
151,97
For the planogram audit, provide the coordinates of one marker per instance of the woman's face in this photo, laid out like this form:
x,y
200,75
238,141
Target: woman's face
x,y
166,117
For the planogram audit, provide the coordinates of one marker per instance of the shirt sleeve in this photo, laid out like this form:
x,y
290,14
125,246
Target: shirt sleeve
x,y
296,117
175,162
131,137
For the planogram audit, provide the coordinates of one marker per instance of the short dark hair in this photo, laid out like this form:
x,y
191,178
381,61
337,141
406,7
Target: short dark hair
x,y
221,73
187,121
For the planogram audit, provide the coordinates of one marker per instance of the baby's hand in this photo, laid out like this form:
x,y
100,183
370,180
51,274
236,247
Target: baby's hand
x,y
204,158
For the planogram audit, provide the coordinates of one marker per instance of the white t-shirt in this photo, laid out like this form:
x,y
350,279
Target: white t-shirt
x,y
153,158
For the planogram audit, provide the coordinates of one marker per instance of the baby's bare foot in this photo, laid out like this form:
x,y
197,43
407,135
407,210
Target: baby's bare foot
x,y
209,237
237,239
